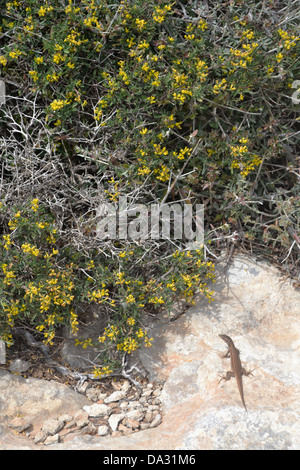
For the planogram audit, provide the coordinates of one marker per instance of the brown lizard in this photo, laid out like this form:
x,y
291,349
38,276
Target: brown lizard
x,y
237,370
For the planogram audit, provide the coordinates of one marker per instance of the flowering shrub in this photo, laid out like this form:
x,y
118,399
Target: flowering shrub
x,y
41,284
144,76
162,101
34,288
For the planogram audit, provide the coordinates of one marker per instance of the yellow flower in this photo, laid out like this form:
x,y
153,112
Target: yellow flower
x,y
40,327
99,295
3,60
15,54
156,300
42,11
147,342
33,75
143,45
131,321
111,332
202,24
101,372
151,99
52,78
35,204
7,241
41,224
129,345
219,85
130,298
57,58
160,13
140,333
74,321
248,34
49,337
183,153
91,265
239,150
144,171
140,24
8,276
155,83
144,131
27,248
158,18
189,37
57,104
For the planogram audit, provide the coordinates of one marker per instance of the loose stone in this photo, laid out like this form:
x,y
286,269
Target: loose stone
x,y
115,396
52,426
97,410
52,440
114,420
103,430
156,422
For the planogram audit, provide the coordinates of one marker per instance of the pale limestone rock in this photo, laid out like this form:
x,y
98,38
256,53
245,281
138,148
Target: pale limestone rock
x,y
97,410
103,430
156,422
40,437
19,424
144,426
149,416
114,420
92,394
18,366
37,399
82,422
115,396
135,414
132,423
126,386
65,418
50,440
124,429
52,426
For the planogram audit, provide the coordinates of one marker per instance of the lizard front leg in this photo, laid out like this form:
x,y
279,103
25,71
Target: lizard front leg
x,y
227,354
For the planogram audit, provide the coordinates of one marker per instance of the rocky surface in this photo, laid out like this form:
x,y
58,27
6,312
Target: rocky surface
x,y
256,306
47,413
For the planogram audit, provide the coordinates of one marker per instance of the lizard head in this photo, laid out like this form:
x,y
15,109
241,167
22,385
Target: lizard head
x,y
225,338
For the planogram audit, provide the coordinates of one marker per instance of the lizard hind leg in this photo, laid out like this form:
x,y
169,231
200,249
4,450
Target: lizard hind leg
x,y
246,373
226,377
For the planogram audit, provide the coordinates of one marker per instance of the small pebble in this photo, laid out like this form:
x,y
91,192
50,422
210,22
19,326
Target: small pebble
x,y
103,430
